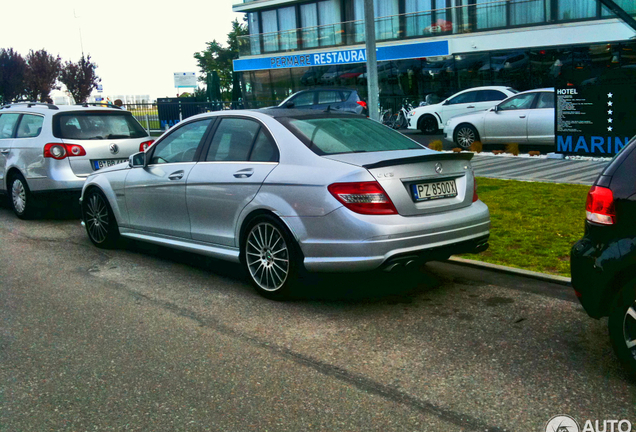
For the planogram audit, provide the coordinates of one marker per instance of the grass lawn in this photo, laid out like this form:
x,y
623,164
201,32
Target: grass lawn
x,y
534,225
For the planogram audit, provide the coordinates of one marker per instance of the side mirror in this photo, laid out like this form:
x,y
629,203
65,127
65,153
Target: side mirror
x,y
289,104
137,160
495,108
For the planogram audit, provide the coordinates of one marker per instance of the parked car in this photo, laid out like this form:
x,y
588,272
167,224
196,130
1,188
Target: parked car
x,y
525,118
342,99
47,151
284,191
603,261
431,118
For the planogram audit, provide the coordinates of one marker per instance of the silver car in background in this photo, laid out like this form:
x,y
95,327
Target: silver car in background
x,y
525,118
47,151
284,191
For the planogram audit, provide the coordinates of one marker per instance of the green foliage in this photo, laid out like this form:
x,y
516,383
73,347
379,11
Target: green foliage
x,y
80,78
41,75
218,58
13,69
534,225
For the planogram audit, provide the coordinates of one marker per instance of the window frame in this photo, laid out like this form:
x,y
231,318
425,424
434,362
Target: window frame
x,y
202,143
202,156
19,122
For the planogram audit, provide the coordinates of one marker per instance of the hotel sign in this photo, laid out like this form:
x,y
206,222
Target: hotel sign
x,y
326,58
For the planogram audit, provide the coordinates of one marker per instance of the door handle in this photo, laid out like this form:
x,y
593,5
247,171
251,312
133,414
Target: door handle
x,y
177,175
470,106
244,173
522,116
5,151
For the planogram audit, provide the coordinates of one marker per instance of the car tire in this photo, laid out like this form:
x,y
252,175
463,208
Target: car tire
x,y
271,257
21,198
465,135
622,327
99,219
427,124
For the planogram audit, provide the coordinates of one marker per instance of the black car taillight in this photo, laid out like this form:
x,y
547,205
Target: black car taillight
x,y
599,207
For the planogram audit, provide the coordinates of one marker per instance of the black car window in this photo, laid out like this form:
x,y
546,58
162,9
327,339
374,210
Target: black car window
x,y
523,101
90,125
30,126
181,145
490,95
264,149
233,140
325,97
546,100
467,97
303,99
7,125
333,135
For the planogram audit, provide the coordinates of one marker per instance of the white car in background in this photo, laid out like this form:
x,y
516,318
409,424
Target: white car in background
x,y
431,118
525,118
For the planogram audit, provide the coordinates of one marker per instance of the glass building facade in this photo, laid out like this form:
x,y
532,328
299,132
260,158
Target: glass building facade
x,y
314,26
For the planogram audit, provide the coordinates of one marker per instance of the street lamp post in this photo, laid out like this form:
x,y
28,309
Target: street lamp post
x,y
372,61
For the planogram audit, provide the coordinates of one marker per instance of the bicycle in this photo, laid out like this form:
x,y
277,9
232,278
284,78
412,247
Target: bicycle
x,y
400,119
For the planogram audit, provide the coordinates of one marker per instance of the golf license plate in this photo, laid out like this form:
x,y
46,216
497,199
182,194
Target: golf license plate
x,y
435,190
104,163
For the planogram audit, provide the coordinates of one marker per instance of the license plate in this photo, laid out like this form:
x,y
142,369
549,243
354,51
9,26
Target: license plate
x,y
104,163
436,190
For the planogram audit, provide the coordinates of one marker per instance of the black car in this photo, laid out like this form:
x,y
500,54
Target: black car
x,y
603,262
337,99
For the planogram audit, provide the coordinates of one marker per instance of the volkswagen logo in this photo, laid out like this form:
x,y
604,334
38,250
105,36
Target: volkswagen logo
x,y
114,148
438,168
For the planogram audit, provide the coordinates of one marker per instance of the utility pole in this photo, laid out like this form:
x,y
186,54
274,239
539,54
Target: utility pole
x,y
372,61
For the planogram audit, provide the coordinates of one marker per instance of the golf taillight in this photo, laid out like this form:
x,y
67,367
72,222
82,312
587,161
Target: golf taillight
x,y
144,145
599,207
363,197
363,104
475,196
60,151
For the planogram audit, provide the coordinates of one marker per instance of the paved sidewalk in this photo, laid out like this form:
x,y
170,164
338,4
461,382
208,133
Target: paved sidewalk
x,y
538,169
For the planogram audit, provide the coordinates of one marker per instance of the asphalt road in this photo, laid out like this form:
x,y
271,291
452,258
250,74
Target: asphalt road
x,y
145,338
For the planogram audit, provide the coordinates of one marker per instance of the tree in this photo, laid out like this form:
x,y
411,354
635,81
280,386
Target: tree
x,y
80,78
12,72
41,75
218,58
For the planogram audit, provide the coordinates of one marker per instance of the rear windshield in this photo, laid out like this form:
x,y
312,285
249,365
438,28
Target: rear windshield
x,y
335,135
97,125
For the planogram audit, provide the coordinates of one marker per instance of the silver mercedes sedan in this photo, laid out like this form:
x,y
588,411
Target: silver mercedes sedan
x,y
284,191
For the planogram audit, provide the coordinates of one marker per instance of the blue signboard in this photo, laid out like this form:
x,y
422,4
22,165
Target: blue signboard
x,y
384,53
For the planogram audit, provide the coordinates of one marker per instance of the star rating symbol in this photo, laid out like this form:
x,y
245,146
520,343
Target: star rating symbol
x,y
610,103
610,128
610,120
610,112
609,95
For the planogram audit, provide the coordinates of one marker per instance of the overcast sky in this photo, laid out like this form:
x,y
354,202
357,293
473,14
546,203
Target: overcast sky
x,y
137,44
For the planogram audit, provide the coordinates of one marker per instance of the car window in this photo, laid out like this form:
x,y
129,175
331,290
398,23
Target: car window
x,y
233,140
523,101
30,126
97,125
467,97
7,125
325,97
181,145
546,100
347,135
264,149
490,95
344,95
303,99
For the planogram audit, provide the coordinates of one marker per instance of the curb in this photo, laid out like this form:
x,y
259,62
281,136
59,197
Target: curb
x,y
560,280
